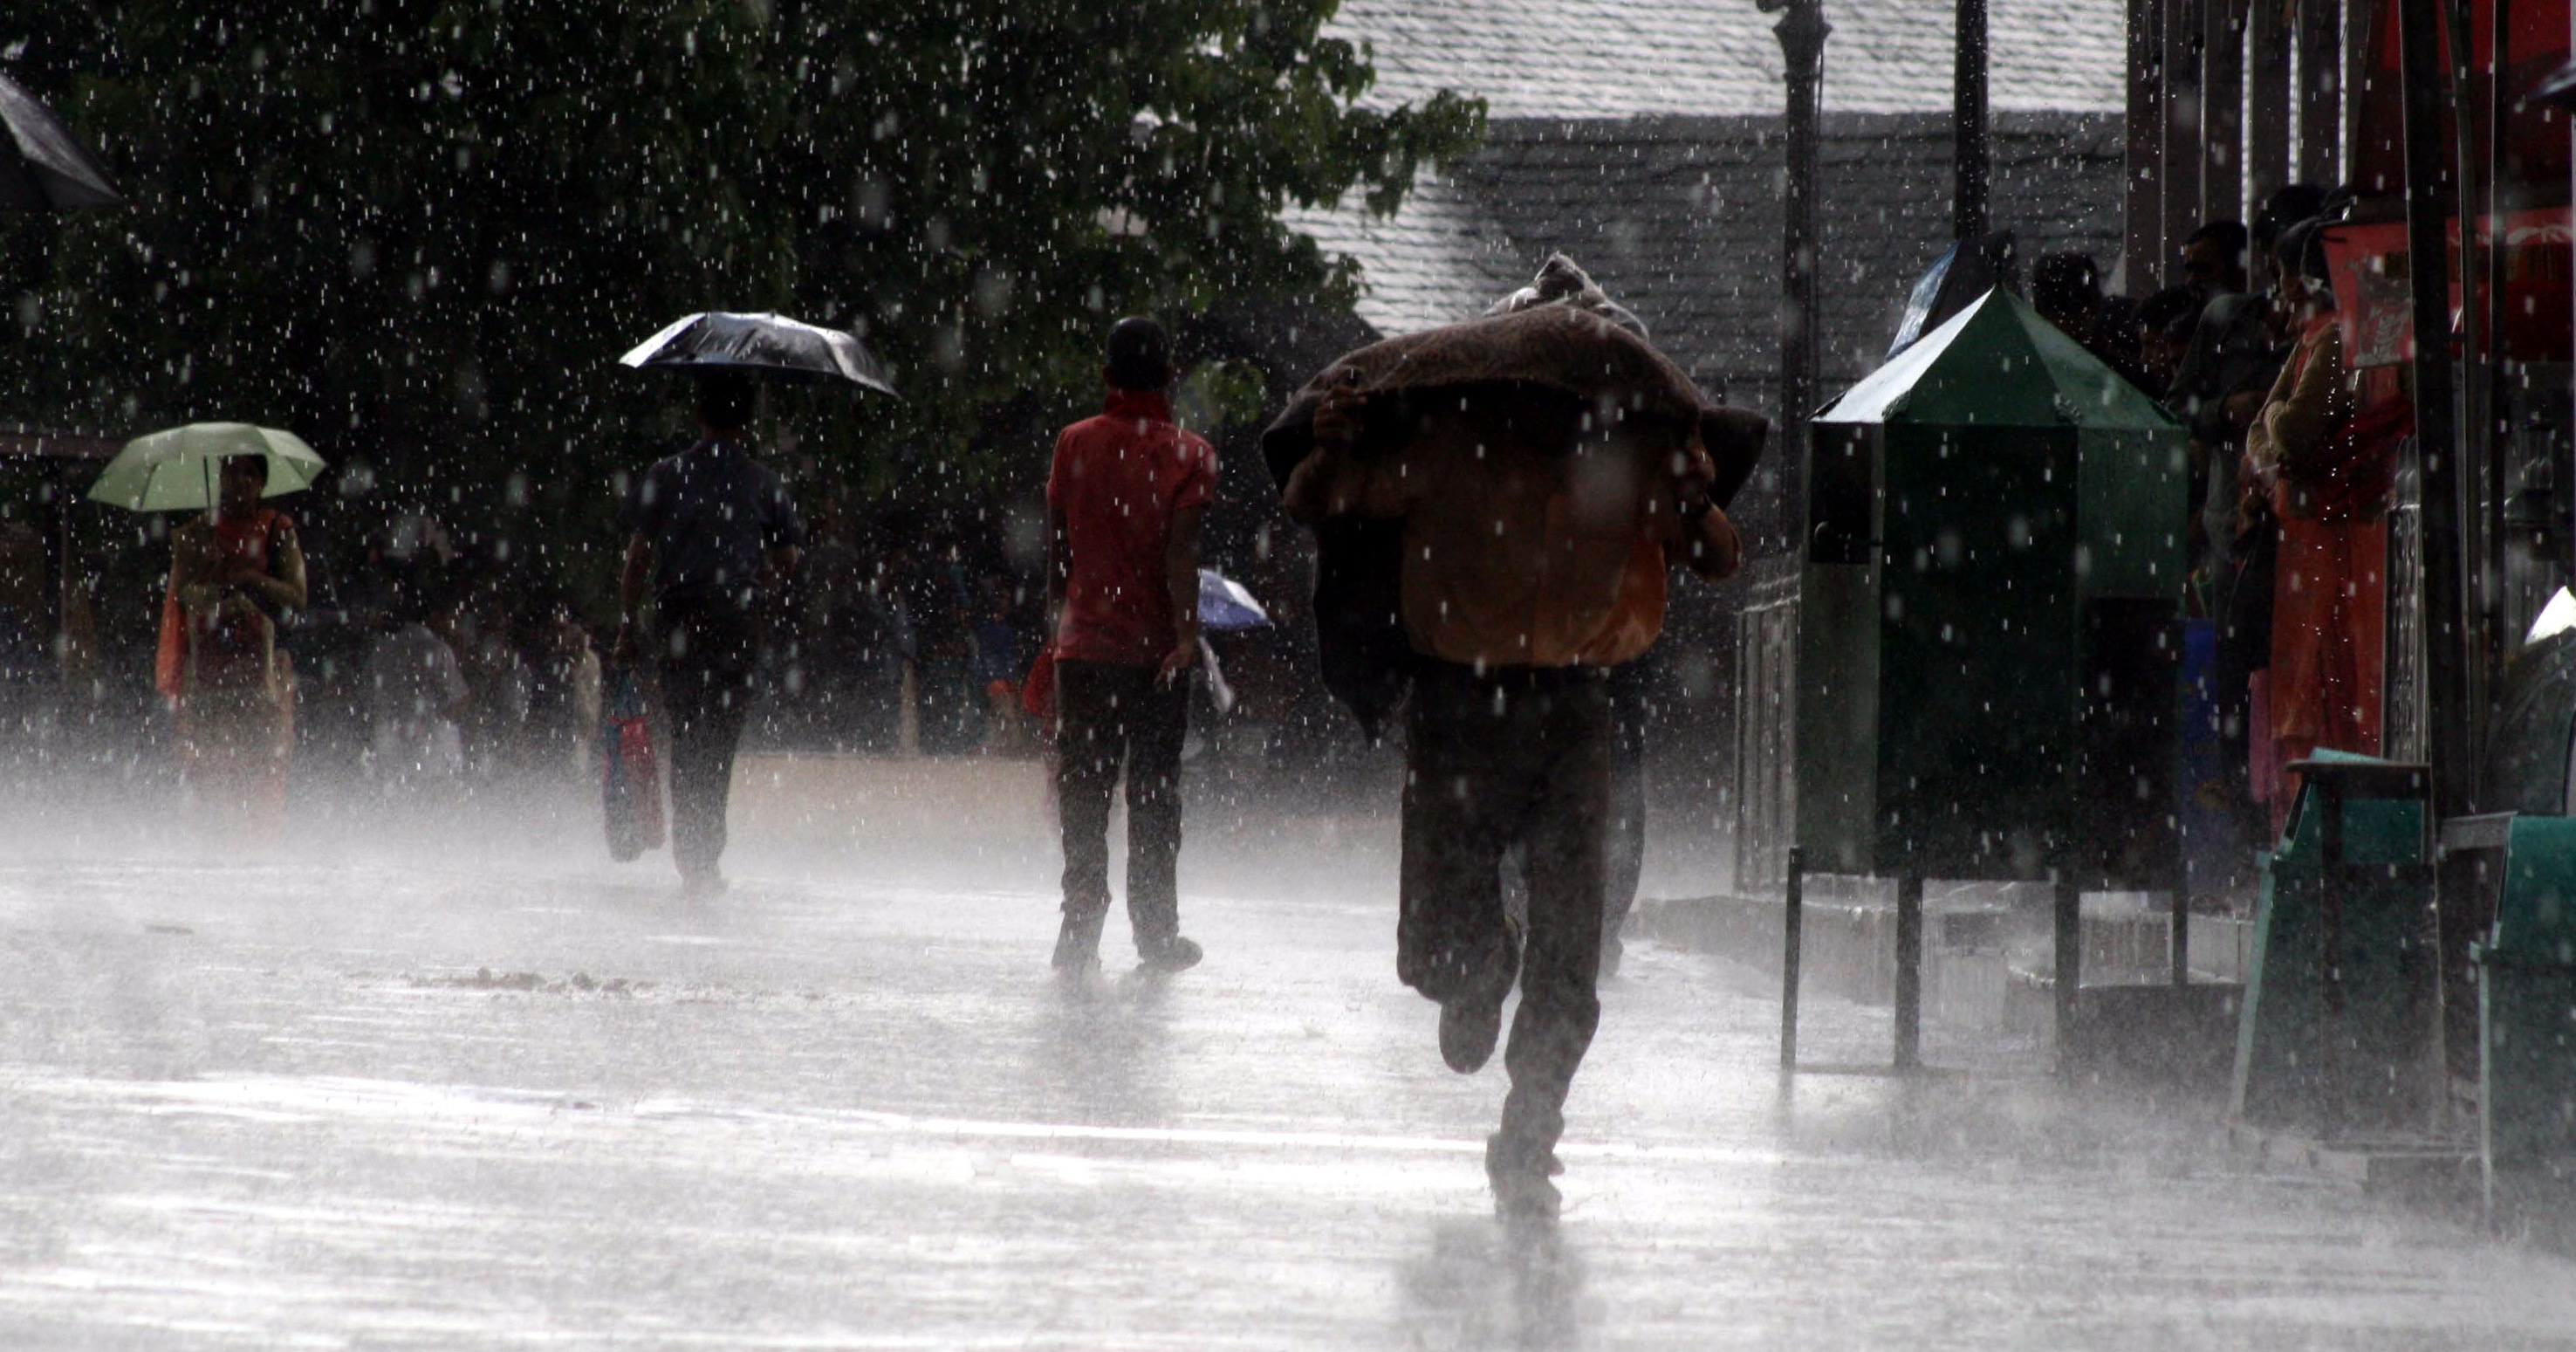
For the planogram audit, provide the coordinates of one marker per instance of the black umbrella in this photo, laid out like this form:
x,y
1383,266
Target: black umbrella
x,y
765,344
42,165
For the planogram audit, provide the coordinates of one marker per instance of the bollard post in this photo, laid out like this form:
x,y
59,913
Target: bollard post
x,y
2068,935
1793,918
1909,970
2181,922
2330,992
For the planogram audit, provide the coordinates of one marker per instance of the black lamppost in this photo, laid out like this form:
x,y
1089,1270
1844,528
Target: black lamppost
x,y
2452,738
1802,30
1969,216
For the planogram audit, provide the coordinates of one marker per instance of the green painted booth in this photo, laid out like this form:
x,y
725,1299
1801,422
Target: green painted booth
x,y
1990,628
2527,1008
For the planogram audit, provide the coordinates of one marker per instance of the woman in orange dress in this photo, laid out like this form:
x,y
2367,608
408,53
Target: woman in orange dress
x,y
2324,450
232,572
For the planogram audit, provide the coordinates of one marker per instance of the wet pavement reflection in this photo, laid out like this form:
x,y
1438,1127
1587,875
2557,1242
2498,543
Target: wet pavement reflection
x,y
477,1102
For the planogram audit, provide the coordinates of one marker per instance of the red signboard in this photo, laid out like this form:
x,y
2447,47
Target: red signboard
x,y
2369,265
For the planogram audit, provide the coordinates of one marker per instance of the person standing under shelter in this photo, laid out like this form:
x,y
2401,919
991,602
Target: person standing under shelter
x,y
1125,498
714,531
2234,355
2323,454
1540,497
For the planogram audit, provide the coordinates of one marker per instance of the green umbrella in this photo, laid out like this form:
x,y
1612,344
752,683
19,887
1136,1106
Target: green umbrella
x,y
175,470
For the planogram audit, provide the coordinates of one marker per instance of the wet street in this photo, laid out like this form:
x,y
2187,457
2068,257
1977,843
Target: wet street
x,y
481,1091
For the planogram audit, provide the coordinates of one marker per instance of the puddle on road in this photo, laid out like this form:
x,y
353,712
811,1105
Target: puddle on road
x,y
583,983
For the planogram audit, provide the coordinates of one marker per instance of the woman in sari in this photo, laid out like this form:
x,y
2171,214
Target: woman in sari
x,y
232,573
2323,449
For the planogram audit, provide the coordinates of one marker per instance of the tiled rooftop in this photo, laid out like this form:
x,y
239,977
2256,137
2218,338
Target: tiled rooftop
x,y
1704,58
1679,220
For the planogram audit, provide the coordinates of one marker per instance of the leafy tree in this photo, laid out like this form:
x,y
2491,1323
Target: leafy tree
x,y
419,231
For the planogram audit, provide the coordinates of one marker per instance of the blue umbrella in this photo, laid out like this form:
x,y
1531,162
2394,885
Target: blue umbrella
x,y
1224,606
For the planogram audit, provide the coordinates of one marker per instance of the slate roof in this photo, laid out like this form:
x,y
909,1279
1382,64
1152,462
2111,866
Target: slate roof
x,y
1642,137
1706,58
1679,220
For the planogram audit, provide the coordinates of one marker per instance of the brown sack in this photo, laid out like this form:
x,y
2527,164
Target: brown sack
x,y
1544,354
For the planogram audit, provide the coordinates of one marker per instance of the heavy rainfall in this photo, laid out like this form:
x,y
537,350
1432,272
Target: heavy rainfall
x,y
1287,674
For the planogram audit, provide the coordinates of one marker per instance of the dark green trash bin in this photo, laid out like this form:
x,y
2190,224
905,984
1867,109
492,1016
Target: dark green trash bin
x,y
2340,1031
2527,1006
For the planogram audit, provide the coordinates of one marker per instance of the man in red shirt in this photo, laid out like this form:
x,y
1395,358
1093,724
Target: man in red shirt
x,y
1124,501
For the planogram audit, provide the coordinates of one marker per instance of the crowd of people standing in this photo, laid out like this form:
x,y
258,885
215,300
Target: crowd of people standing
x,y
2292,452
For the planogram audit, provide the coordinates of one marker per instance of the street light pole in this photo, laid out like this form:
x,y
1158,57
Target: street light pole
x,y
1969,216
1802,31
2446,617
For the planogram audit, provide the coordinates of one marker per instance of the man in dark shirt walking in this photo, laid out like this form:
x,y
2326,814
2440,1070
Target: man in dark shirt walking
x,y
1125,497
714,530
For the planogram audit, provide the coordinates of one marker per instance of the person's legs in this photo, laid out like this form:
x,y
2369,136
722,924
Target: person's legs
x,y
1090,742
2232,662
706,687
688,696
1559,1006
1452,942
1624,827
2308,576
2363,618
1156,727
733,655
2247,645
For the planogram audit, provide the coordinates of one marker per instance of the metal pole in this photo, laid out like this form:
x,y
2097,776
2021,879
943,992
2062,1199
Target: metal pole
x,y
2446,633
2222,111
2067,917
1793,912
2267,120
2142,242
1802,31
1909,970
2320,84
2495,389
58,562
2477,451
2181,945
2182,133
1969,217
2330,897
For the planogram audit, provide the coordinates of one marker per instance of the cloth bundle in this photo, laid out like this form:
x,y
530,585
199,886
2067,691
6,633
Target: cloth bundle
x,y
1558,340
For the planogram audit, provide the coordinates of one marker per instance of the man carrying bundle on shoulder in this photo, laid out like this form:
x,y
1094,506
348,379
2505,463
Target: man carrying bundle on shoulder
x,y
1543,464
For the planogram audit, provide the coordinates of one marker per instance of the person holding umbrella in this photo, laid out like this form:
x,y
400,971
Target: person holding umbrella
x,y
712,531
233,573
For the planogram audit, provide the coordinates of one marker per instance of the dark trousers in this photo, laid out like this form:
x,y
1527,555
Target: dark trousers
x,y
706,663
1625,846
2244,646
1108,714
1517,756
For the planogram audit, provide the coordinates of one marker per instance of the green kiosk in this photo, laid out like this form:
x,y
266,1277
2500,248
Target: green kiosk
x,y
1990,632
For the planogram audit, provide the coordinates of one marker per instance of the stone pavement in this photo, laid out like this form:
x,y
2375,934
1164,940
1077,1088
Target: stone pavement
x,y
450,1089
